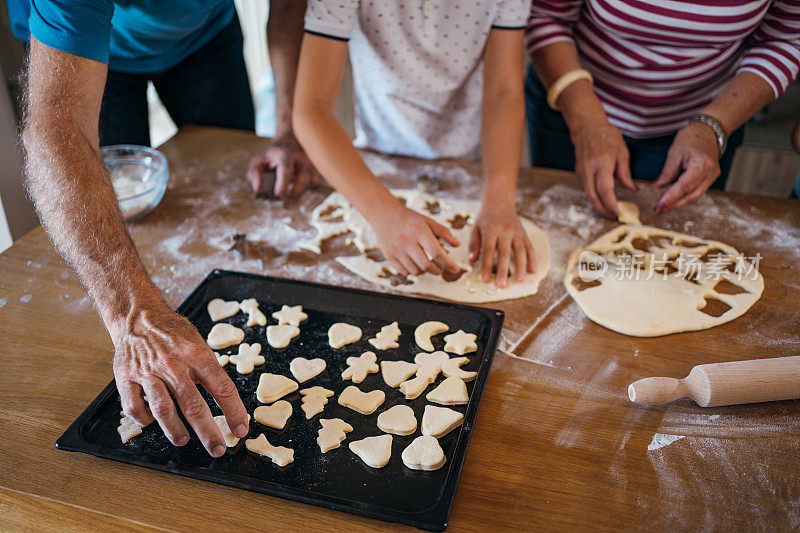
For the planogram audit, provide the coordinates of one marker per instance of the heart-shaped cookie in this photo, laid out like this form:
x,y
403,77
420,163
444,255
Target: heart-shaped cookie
x,y
375,451
362,402
304,369
399,420
224,335
341,334
451,391
219,309
275,415
424,453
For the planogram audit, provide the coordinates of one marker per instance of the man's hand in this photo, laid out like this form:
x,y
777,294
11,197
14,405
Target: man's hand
x,y
294,172
157,353
409,241
600,157
693,159
499,229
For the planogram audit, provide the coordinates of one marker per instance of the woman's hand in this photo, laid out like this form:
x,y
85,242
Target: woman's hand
x,y
157,353
498,229
693,159
600,157
410,241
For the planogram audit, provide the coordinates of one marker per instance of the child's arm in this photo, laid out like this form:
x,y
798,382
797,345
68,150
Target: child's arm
x,y
498,227
407,239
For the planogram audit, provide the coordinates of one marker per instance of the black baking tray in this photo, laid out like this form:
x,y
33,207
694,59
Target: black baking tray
x,y
338,479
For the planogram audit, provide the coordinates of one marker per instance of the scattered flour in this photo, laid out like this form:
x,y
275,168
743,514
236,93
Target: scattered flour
x,y
661,440
25,298
3,302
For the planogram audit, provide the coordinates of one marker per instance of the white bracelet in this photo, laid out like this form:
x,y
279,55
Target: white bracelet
x,y
564,81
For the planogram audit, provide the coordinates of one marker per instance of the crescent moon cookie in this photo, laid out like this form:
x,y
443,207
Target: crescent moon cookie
x,y
424,332
452,369
224,335
358,367
290,315
342,334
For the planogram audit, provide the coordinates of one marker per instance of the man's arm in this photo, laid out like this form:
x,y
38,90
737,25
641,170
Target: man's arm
x,y
294,172
157,352
498,227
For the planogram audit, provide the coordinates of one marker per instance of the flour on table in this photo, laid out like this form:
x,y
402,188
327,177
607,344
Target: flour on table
x,y
279,455
254,316
275,415
342,334
362,402
374,451
426,330
398,419
335,216
332,433
424,453
273,387
248,358
645,281
396,372
219,309
304,369
460,342
452,369
451,391
386,339
439,421
314,400
358,367
290,315
224,335
280,336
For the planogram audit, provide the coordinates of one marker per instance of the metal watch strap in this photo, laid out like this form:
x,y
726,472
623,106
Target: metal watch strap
x,y
716,127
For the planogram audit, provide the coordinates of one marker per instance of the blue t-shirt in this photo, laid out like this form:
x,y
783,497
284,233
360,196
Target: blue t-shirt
x,y
136,36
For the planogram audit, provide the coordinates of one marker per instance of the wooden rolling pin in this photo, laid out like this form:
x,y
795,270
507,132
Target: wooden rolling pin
x,y
712,385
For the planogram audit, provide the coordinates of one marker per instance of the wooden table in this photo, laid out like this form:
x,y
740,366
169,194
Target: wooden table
x,y
557,444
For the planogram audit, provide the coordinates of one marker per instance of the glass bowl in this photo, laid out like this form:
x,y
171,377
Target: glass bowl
x,y
139,175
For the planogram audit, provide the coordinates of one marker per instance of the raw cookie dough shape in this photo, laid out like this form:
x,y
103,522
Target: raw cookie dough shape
x,y
280,336
304,369
342,334
451,391
386,339
398,419
222,359
374,451
426,330
433,361
358,367
290,315
362,402
671,298
424,453
128,428
335,216
248,357
230,439
275,415
255,317
396,372
224,335
332,433
452,369
219,309
460,342
439,421
314,400
628,213
416,386
273,387
279,455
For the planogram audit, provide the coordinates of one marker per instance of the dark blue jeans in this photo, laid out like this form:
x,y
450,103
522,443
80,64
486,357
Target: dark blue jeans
x,y
552,147
208,88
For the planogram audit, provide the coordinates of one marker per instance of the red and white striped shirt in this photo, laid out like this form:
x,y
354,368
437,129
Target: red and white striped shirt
x,y
657,62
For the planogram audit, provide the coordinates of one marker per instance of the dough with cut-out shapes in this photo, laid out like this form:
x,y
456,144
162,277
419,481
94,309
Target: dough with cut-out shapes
x,y
398,419
222,359
644,281
128,428
412,388
291,315
424,453
460,342
314,400
452,369
248,358
335,216
230,439
451,391
386,338
426,330
273,387
439,421
281,336
279,455
304,369
224,335
275,415
254,316
358,367
362,402
396,372
332,433
219,309
433,360
374,451
342,334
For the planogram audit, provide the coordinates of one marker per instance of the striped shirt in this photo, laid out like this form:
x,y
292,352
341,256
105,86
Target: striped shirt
x,y
657,62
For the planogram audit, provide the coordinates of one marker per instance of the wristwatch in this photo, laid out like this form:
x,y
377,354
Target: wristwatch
x,y
716,127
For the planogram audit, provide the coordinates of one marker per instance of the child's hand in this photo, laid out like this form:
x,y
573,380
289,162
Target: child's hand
x,y
409,241
500,229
